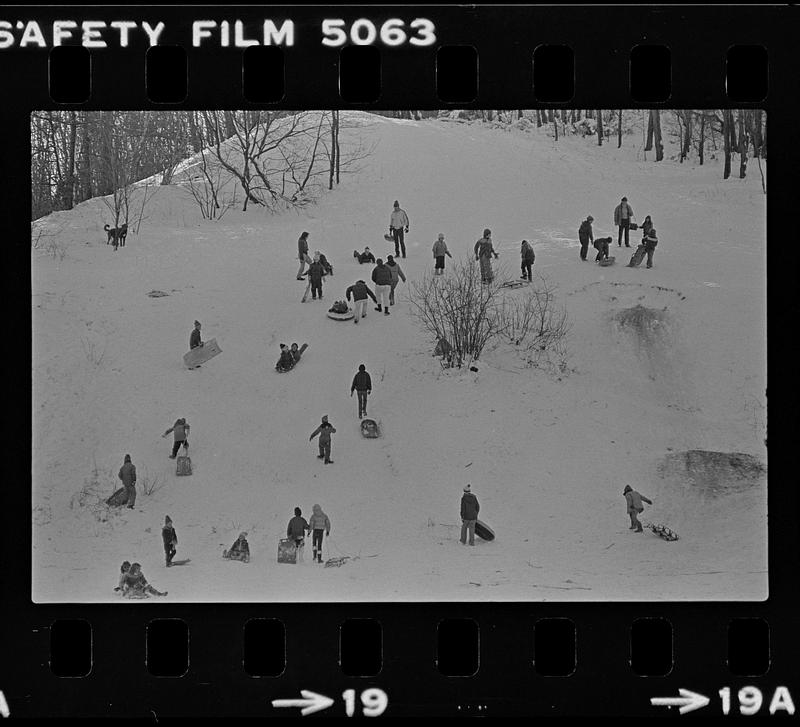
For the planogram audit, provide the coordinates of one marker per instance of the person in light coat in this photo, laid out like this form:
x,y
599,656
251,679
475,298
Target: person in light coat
x,y
398,223
439,251
633,501
397,276
623,216
318,523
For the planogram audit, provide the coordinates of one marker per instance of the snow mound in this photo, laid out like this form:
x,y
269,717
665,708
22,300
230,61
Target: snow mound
x,y
713,474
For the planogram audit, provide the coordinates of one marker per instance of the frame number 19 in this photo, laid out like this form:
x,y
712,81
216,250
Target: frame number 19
x,y
374,702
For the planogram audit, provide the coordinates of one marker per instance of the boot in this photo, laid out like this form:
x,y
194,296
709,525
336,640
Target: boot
x,y
386,312
379,308
314,556
319,557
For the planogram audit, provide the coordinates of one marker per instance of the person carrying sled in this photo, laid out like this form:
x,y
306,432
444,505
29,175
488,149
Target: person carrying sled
x,y
127,473
439,251
180,432
302,253
528,258
585,235
650,241
364,257
362,385
469,515
397,223
170,538
240,550
359,291
296,532
397,276
135,584
318,524
325,429
623,216
194,337
382,277
286,362
483,253
634,501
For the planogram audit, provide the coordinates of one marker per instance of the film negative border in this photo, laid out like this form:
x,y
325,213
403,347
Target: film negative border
x,y
506,682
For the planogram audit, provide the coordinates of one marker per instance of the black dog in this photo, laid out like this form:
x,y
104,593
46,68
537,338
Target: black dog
x,y
116,235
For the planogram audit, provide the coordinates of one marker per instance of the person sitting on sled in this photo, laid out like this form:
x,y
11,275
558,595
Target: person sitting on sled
x,y
240,550
364,257
136,585
286,361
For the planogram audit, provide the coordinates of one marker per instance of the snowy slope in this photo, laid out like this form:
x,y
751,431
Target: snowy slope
x,y
547,457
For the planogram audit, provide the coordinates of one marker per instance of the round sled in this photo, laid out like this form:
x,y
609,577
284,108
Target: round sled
x,y
606,262
370,429
483,531
388,238
342,316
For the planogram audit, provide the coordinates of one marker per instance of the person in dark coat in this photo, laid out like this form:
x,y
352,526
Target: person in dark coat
x,y
123,570
382,277
324,430
170,538
180,430
362,385
240,550
633,501
623,216
647,225
469,515
397,275
127,473
194,338
359,291
528,258
286,362
315,274
585,235
364,257
302,253
601,245
650,241
483,253
326,265
296,532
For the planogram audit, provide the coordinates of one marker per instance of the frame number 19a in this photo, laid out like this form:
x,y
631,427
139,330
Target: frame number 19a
x,y
374,702
751,700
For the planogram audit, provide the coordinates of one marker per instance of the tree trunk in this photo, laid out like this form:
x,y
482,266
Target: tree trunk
x,y
619,129
550,116
649,144
599,128
743,143
657,134
702,142
726,138
538,119
686,146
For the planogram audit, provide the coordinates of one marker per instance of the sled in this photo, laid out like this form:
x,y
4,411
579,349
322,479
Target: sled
x,y
184,561
287,551
342,316
305,295
483,531
637,257
606,261
201,354
388,238
514,283
184,465
299,354
119,498
370,429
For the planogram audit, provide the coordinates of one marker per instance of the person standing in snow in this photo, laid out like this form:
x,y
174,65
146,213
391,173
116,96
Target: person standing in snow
x,y
382,277
180,430
623,216
170,538
439,251
469,515
359,291
528,258
302,253
194,337
647,225
127,473
483,253
397,223
362,385
397,276
315,274
650,241
634,501
319,524
324,430
585,235
296,532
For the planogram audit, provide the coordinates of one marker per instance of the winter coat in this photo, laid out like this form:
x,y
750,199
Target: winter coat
x,y
286,361
326,266
399,219
650,241
180,431
194,339
360,291
618,213
440,248
469,507
240,547
168,535
528,255
483,248
361,382
634,501
366,257
315,272
646,227
585,230
381,275
319,521
127,473
297,527
324,430
396,271
302,247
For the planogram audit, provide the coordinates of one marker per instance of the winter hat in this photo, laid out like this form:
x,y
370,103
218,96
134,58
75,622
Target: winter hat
x,y
441,235
379,261
467,488
627,489
126,566
197,323
325,418
283,345
365,249
390,258
168,519
487,232
396,203
242,535
127,458
590,218
298,512
362,367
624,199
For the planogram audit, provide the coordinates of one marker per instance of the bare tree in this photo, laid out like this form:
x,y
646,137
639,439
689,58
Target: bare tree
x,y
599,128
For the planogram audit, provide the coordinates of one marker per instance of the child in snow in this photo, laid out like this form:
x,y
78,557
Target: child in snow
x,y
324,430
601,245
634,502
123,570
483,254
364,257
127,473
180,431
382,277
397,276
326,266
286,361
295,351
318,524
439,251
194,337
315,274
650,241
296,531
136,585
585,235
528,258
469,515
240,550
170,538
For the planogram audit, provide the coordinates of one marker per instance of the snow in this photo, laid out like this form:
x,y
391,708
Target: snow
x,y
547,456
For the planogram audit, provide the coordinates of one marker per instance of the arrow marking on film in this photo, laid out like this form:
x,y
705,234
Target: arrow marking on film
x,y
310,703
688,701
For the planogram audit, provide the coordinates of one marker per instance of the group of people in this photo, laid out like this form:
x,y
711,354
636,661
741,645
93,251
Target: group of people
x,y
624,221
289,356
317,526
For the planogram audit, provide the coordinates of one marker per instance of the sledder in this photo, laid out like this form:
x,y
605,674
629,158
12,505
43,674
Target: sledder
x,y
289,357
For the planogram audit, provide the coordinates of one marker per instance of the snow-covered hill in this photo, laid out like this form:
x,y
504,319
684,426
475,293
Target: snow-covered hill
x,y
547,456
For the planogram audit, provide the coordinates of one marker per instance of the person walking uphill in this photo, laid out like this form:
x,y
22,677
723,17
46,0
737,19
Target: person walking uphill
x,y
397,276
397,223
127,473
528,258
483,253
362,385
318,524
324,430
634,502
296,532
439,251
585,235
180,430
382,277
623,216
170,538
359,291
469,515
302,253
